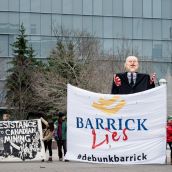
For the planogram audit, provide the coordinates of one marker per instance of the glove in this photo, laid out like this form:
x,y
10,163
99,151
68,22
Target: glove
x,y
153,78
117,81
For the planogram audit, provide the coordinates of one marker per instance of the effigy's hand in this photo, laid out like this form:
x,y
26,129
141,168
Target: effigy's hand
x,y
153,78
117,81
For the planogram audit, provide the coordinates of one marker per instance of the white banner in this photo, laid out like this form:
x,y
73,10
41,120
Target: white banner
x,y
21,140
116,129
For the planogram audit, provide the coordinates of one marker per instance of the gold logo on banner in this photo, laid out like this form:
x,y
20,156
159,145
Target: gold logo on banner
x,y
107,106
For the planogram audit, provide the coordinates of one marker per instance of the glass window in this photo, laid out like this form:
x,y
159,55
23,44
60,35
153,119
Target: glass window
x,y
46,46
108,46
67,22
166,9
157,49
166,29
97,26
97,7
87,24
156,8
12,39
56,23
25,5
166,48
13,22
147,8
87,7
4,5
147,49
35,23
25,19
117,8
137,8
77,7
67,6
117,28
137,28
147,29
127,28
127,45
4,22
36,45
4,45
56,6
35,5
45,6
77,23
157,29
137,47
118,46
127,8
13,5
45,24
107,27
107,7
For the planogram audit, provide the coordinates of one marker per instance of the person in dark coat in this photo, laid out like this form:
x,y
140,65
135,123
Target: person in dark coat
x,y
131,81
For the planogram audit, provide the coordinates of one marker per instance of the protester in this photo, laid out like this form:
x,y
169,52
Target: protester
x,y
47,136
131,81
169,136
60,132
6,117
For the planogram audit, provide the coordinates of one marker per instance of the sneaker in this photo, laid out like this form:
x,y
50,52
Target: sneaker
x,y
60,159
66,160
42,160
50,159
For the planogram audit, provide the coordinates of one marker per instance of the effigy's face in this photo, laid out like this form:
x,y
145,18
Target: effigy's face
x,y
131,64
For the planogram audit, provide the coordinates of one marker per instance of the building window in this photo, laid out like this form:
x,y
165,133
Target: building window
x,y
108,46
137,8
46,24
166,49
4,5
107,27
87,7
13,23
77,6
127,5
166,29
157,49
56,6
137,28
25,19
147,28
147,8
107,7
45,6
35,5
35,24
147,49
117,8
97,7
156,8
56,23
87,24
67,6
35,42
127,28
4,45
77,23
13,5
25,5
117,28
97,26
4,26
137,47
166,9
156,29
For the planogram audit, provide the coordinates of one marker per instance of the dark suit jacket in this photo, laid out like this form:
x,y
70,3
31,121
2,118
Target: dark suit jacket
x,y
142,84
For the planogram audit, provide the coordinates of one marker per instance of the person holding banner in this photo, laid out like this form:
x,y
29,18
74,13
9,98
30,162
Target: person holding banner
x,y
131,81
169,136
60,133
47,136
